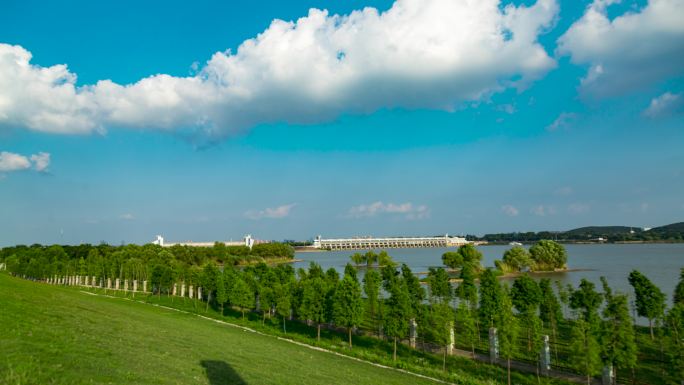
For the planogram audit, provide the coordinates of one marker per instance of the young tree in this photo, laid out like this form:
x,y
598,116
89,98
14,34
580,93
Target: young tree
x,y
221,292
675,340
242,295
350,270
467,290
586,300
283,302
371,288
525,294
441,325
440,287
618,346
466,321
314,302
209,280
650,301
564,295
397,310
415,290
508,330
678,296
584,349
490,298
348,305
550,310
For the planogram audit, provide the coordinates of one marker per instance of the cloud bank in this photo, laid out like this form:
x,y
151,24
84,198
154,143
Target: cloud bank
x,y
418,54
629,52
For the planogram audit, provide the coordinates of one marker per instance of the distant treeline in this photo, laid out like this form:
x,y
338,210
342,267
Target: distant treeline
x,y
133,261
669,233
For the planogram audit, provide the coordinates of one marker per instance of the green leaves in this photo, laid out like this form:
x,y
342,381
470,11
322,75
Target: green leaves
x,y
548,255
650,300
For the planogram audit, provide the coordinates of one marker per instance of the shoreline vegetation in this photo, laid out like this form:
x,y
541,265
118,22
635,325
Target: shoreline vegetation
x,y
417,326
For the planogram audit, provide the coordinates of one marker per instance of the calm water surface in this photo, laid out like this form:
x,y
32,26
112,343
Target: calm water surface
x,y
659,262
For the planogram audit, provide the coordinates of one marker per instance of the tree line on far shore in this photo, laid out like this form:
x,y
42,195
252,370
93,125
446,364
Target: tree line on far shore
x,y
389,300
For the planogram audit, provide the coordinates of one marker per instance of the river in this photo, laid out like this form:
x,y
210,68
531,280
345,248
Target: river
x,y
661,263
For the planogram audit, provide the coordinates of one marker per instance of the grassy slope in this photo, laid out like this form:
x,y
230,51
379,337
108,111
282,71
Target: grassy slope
x,y
57,335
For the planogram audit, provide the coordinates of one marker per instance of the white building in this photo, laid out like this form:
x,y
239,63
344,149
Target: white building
x,y
247,240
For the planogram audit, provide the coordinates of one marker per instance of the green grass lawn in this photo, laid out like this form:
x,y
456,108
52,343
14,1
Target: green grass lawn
x,y
55,335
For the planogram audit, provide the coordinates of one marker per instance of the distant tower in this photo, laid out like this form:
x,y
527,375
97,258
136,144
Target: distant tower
x,y
159,241
249,241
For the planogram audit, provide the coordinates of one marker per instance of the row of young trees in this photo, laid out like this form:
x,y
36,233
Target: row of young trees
x,y
390,299
167,265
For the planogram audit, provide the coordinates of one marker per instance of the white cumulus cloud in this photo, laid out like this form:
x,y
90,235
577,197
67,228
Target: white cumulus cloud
x,y
10,161
630,51
509,210
542,210
418,54
13,162
41,161
665,105
407,210
273,213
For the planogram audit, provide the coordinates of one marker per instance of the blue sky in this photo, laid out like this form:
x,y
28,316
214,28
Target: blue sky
x,y
516,117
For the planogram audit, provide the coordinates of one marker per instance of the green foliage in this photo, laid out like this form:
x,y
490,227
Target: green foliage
x,y
675,340
313,305
549,307
350,270
678,296
586,300
517,259
397,310
440,287
273,250
508,328
348,305
467,326
371,288
467,290
384,259
526,294
357,258
490,298
548,255
452,259
584,349
221,292
618,345
650,300
242,295
415,290
466,255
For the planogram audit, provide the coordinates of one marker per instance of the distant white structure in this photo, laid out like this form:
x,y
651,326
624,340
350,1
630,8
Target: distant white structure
x,y
387,243
247,240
